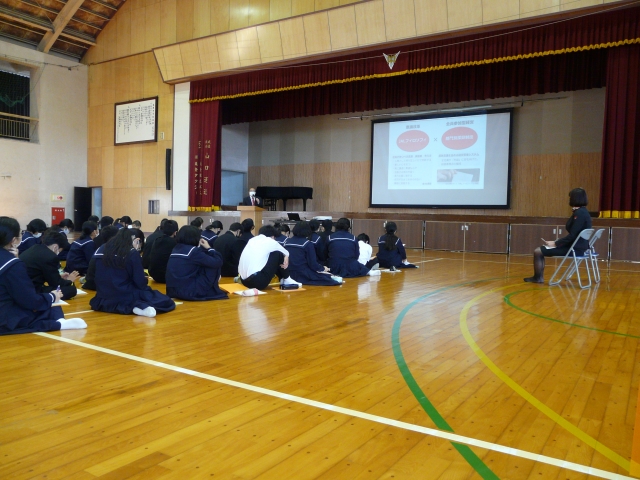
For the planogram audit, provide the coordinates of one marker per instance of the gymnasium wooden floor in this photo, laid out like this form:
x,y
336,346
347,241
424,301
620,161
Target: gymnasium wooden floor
x,y
456,370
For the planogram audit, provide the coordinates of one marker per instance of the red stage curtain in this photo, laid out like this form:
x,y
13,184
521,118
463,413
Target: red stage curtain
x,y
620,177
205,156
596,31
555,73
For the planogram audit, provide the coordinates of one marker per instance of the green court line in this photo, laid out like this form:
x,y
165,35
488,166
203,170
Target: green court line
x,y
507,300
472,459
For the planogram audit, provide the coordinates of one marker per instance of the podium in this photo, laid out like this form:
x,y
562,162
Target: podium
x,y
252,212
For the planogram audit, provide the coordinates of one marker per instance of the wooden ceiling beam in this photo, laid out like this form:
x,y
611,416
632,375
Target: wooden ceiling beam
x,y
59,24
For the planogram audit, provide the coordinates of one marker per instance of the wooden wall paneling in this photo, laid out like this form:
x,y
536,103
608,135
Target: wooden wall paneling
x,y
94,127
373,228
300,7
173,61
254,177
292,36
349,2
165,117
228,50
94,166
248,46
431,16
149,173
624,244
96,81
444,236
410,231
602,245
168,22
108,38
340,190
122,80
238,14
321,186
487,237
271,176
464,13
399,19
370,22
134,174
108,201
129,202
279,9
162,63
136,76
342,27
149,221
107,128
108,165
526,238
316,33
270,43
208,51
201,18
190,58
123,32
152,28
138,22
533,8
258,11
184,20
220,11
500,10
149,3
325,4
572,4
359,185
151,76
584,171
121,167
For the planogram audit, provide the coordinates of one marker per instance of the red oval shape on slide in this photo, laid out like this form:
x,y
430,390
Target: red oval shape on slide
x,y
459,138
412,140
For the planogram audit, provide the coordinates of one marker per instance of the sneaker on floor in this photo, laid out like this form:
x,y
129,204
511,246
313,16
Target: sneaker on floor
x,y
289,281
374,273
147,312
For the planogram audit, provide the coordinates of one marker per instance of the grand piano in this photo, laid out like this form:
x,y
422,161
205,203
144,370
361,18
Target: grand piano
x,y
271,195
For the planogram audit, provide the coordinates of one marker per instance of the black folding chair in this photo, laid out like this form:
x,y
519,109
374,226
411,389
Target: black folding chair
x,y
575,260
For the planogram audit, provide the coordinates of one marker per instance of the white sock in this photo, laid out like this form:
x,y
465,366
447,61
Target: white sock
x,y
147,312
374,273
290,281
72,324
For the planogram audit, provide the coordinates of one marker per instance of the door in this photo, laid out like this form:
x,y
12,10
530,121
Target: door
x,y
82,197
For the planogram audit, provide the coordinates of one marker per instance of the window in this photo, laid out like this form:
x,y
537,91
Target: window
x,y
15,103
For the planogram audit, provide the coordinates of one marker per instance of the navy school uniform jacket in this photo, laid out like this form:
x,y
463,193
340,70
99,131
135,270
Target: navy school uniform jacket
x,y
120,290
28,241
343,253
209,236
80,255
193,273
318,246
281,239
391,258
303,263
22,310
90,277
64,251
42,267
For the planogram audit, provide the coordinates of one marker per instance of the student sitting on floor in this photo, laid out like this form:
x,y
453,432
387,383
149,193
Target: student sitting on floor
x,y
161,251
263,258
343,253
65,227
283,231
137,224
391,252
43,265
193,270
230,249
107,233
82,249
146,250
212,231
32,234
93,218
303,263
121,285
365,252
104,222
316,239
22,310
197,222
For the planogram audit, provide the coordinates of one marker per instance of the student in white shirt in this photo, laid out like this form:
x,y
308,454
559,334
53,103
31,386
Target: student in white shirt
x,y
263,258
365,252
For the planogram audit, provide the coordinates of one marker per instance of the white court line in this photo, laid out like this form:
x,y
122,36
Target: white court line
x,y
432,260
576,467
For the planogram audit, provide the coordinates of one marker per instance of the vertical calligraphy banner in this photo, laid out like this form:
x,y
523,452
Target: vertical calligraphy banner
x,y
205,171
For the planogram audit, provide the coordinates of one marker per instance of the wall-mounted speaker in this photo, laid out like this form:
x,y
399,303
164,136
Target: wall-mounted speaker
x,y
167,169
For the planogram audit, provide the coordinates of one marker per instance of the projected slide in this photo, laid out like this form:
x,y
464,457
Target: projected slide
x,y
458,160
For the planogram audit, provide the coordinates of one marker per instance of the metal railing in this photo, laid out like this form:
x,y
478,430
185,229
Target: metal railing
x,y
18,127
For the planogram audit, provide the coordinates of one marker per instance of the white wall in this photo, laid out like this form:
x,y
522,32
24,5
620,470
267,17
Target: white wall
x,y
58,161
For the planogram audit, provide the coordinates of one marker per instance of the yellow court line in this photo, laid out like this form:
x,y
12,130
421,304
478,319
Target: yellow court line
x,y
453,437
570,427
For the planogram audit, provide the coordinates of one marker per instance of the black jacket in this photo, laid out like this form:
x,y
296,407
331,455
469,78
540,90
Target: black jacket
x,y
159,257
246,201
42,267
230,247
580,220
148,244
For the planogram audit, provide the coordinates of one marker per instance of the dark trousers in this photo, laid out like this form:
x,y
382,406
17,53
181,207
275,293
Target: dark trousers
x,y
371,263
68,291
261,279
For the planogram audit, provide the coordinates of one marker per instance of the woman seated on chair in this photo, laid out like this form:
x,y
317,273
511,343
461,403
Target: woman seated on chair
x,y
303,263
580,220
391,252
120,282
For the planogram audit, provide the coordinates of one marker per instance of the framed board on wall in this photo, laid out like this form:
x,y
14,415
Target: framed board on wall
x,y
136,121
